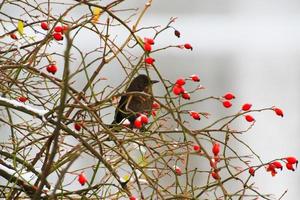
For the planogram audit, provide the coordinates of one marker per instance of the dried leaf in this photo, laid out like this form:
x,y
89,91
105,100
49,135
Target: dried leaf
x,y
20,27
126,177
96,14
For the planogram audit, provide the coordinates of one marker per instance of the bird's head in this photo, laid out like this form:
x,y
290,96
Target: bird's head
x,y
141,83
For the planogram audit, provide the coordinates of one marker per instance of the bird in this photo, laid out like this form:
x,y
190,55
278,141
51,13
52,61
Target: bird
x,y
130,105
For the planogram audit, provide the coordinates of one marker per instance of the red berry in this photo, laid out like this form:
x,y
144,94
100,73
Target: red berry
x,y
277,165
278,111
188,46
13,36
216,149
249,118
229,96
196,148
195,78
291,160
77,126
186,95
149,41
82,179
180,82
177,33
177,89
246,106
215,175
149,60
22,99
132,198
273,173
251,171
153,113
44,26
144,119
138,123
270,167
178,170
195,115
52,69
58,29
227,104
155,105
290,166
58,36
147,47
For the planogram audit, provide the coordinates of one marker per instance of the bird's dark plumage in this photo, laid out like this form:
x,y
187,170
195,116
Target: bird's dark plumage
x,y
130,105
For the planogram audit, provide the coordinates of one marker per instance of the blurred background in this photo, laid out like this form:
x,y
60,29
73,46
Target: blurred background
x,y
251,48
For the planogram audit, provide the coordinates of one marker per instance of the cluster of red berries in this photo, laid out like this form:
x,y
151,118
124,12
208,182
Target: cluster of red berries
x,y
271,167
250,118
246,107
214,161
58,30
57,35
148,42
290,162
186,45
140,121
227,98
178,88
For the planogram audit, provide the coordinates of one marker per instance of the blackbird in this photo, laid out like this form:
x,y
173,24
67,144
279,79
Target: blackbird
x,y
131,105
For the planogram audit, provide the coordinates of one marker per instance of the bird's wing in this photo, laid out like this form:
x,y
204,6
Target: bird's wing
x,y
121,109
128,103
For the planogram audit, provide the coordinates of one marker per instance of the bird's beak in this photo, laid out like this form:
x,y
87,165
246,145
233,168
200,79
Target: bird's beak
x,y
154,81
